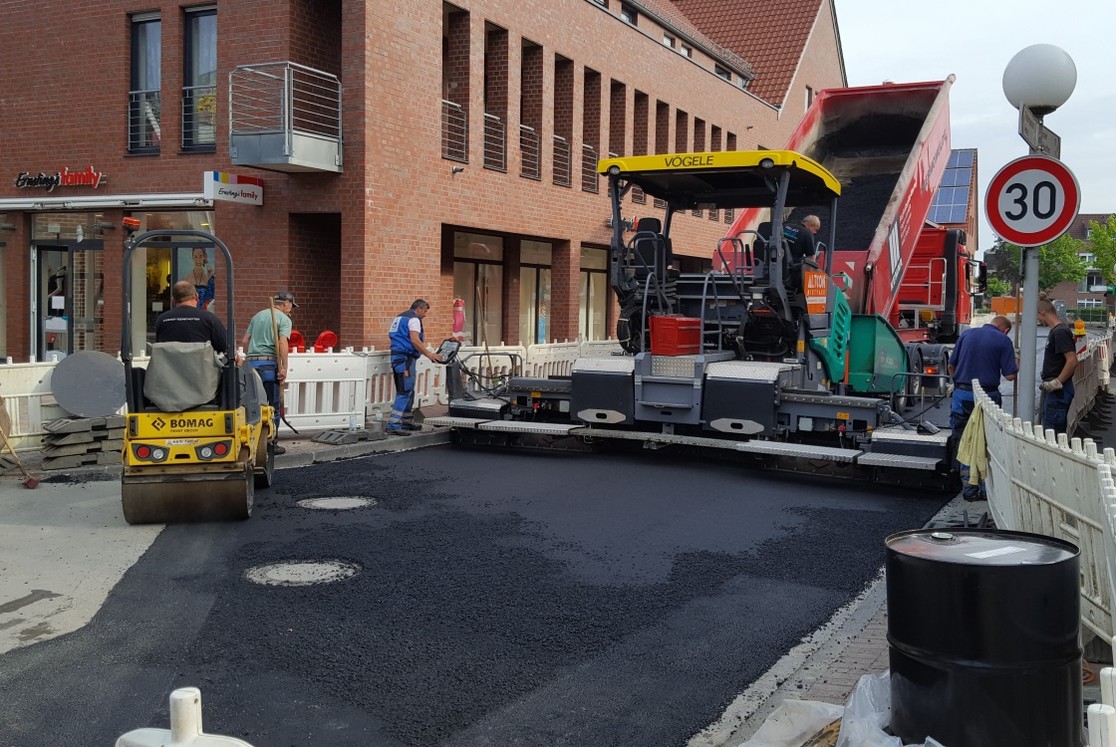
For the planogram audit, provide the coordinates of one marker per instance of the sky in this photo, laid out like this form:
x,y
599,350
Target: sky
x,y
910,41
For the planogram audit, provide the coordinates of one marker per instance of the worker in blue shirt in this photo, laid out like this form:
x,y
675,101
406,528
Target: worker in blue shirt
x,y
408,344
985,354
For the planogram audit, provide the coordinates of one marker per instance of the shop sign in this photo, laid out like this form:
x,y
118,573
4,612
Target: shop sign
x,y
221,185
87,177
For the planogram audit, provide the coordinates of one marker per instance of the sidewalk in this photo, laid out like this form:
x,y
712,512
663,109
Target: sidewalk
x,y
826,666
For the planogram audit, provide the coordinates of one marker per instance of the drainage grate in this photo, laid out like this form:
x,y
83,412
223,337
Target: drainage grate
x,y
302,572
340,502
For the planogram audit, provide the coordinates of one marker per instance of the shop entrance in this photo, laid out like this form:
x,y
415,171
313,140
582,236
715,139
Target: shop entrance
x,y
67,300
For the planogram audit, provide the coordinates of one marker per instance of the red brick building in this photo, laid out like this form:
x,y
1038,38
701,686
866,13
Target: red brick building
x,y
428,150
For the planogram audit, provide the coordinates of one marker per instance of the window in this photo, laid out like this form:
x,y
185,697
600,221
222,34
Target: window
x,y
1092,280
534,292
591,324
199,90
478,277
1088,258
628,14
809,96
722,72
668,40
686,51
144,107
1090,303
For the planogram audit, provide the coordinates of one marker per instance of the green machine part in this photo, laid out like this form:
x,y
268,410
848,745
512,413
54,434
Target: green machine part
x,y
876,354
831,349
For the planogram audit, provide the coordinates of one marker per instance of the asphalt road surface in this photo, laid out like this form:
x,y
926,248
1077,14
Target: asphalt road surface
x,y
501,599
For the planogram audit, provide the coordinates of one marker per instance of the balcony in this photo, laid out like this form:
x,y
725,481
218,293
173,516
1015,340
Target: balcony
x,y
285,117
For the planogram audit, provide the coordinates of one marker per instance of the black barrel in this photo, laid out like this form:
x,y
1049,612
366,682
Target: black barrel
x,y
983,630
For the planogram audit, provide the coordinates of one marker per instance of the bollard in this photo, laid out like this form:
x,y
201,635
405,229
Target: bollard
x,y
185,727
1102,725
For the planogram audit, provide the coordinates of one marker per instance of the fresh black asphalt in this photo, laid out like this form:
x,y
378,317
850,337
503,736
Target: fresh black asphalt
x,y
504,599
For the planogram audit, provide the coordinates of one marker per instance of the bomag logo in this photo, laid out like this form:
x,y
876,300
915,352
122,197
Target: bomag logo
x,y
158,424
179,423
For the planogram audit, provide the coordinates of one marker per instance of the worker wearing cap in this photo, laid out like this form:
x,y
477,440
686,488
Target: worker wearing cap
x,y
266,343
408,344
984,354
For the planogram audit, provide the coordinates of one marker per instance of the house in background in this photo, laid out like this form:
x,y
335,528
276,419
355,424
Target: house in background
x,y
1090,295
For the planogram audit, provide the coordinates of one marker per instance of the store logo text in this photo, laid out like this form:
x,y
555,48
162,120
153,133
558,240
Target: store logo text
x,y
87,177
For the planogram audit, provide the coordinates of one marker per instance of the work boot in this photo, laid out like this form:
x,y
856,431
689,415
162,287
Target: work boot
x,y
397,431
279,449
972,493
412,427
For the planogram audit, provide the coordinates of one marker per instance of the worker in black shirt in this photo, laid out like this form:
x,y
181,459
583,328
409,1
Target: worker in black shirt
x,y
1059,361
801,238
187,323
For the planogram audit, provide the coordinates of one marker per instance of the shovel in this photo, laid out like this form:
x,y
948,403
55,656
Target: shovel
x,y
5,426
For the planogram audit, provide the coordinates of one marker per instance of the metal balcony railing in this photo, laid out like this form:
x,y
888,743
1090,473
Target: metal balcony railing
x,y
287,115
589,180
145,129
455,132
495,143
729,215
199,117
561,161
529,150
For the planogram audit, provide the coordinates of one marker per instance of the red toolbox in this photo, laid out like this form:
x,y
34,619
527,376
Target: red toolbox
x,y
675,334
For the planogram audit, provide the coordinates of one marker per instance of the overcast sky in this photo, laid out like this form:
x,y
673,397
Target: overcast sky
x,y
909,41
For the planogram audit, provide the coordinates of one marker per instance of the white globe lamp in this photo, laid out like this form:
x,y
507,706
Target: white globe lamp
x,y
1040,77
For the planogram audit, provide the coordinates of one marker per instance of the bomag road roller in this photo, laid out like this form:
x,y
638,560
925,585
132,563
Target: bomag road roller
x,y
200,436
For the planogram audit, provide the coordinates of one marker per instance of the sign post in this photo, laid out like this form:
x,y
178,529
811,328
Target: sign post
x,y
1030,202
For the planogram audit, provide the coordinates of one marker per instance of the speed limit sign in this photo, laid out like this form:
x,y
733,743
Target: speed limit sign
x,y
1032,201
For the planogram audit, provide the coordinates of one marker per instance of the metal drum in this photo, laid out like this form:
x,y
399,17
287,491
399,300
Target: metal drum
x,y
983,630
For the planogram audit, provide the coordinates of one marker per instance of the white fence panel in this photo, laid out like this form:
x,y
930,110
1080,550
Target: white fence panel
x,y
324,390
1049,485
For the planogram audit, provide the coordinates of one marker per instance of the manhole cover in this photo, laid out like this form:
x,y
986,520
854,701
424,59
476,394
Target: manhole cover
x,y
338,502
302,572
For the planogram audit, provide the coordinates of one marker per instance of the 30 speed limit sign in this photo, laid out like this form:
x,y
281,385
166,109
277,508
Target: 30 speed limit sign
x,y
1032,201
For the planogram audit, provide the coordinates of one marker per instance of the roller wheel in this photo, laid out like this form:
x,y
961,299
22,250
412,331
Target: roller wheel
x,y
193,499
265,461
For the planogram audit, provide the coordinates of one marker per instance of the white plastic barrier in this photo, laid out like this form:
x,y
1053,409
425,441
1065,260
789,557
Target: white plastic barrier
x,y
1049,485
185,727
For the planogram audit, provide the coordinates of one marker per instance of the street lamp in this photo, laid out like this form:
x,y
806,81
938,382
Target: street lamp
x,y
1037,80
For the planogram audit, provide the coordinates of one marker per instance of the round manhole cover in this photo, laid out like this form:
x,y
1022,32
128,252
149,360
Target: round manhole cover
x,y
302,572
338,502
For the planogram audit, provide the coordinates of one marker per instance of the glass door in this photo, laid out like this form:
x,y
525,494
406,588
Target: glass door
x,y
69,289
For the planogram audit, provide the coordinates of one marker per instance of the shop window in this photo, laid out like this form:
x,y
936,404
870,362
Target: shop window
x,y
199,92
144,105
478,279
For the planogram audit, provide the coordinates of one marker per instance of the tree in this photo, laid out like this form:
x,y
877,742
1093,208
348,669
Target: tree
x,y
1102,243
999,287
1058,262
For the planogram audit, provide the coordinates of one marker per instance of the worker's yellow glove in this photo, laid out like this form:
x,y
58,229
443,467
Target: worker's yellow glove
x,y
1051,385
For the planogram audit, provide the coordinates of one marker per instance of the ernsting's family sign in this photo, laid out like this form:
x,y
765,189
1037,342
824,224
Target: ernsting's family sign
x,y
87,177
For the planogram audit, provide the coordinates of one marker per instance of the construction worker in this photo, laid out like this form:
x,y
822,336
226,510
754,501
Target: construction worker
x,y
1059,361
266,343
408,343
187,323
985,354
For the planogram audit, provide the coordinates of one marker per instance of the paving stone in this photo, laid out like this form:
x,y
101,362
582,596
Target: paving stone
x,y
84,437
53,450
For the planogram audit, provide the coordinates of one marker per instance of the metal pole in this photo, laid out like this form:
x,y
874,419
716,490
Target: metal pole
x,y
1028,341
